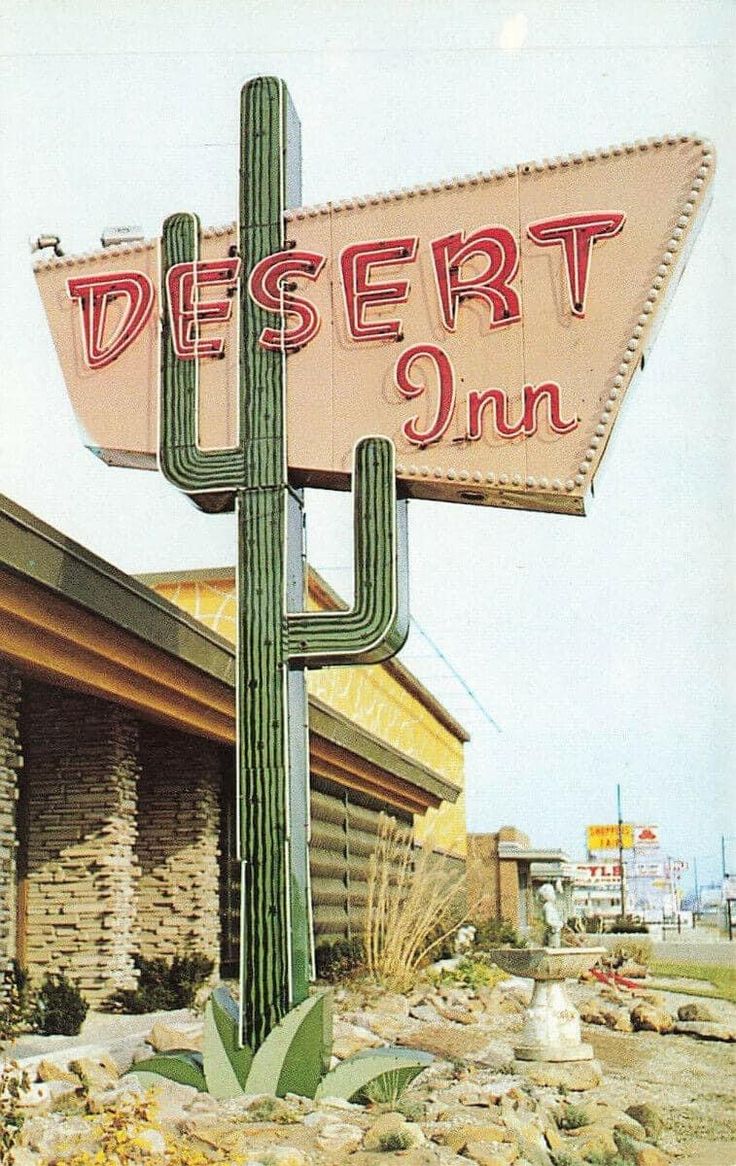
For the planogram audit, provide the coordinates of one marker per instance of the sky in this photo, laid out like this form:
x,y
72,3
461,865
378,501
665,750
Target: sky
x,y
598,650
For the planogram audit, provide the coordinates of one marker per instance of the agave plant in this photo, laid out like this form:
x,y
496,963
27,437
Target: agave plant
x,y
294,1058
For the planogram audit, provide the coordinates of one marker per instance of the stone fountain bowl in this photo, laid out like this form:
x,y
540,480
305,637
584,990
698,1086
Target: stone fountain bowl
x,y
546,963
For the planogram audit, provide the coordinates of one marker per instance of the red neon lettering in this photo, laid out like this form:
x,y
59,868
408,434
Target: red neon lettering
x,y
409,389
94,293
356,264
187,312
549,391
268,292
477,402
499,247
576,235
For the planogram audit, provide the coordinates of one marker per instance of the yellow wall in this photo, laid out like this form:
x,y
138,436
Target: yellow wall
x,y
369,696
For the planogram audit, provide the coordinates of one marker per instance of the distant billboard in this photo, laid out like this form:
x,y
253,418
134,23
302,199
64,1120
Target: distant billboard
x,y
646,836
607,837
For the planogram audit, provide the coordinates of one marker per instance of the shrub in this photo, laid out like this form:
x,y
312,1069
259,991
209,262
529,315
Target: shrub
x,y
473,971
637,951
394,1140
411,906
626,925
572,1117
339,960
164,985
59,1008
491,933
15,1012
12,1082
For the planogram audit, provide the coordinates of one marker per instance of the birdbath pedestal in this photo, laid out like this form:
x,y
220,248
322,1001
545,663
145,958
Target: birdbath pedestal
x,y
551,1028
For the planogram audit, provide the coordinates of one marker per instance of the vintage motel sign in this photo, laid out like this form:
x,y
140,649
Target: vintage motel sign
x,y
489,325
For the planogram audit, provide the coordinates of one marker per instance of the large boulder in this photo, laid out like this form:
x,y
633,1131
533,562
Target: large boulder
x,y
651,1018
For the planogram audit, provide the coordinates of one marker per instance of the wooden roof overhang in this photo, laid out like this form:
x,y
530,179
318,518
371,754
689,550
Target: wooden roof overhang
x,y
71,619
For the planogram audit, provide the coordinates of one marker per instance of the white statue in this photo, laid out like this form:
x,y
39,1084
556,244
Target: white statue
x,y
553,921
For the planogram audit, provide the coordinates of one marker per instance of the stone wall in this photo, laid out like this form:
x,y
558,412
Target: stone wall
x,y
178,845
493,883
81,775
10,763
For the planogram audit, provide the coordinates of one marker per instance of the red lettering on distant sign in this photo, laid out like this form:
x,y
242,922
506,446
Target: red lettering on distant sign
x,y
267,289
576,235
360,292
187,312
492,285
94,294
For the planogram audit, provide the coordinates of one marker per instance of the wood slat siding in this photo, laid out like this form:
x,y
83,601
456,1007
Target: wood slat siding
x,y
344,834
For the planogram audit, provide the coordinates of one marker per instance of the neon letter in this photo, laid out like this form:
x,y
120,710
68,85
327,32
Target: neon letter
x,y
268,292
356,264
94,293
409,389
576,235
477,402
500,250
551,392
187,312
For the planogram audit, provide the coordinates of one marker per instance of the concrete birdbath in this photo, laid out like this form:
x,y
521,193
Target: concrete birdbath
x,y
551,1029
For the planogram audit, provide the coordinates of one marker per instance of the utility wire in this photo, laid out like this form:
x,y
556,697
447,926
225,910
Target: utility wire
x,y
463,684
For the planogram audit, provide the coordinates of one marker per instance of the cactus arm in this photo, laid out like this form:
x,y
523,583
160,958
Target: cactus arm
x,y
377,625
181,460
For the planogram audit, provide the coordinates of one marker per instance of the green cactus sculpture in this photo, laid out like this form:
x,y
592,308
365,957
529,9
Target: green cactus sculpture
x,y
279,1039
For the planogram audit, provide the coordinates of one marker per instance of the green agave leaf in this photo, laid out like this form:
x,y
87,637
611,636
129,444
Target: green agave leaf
x,y
226,1062
292,1057
387,1070
182,1066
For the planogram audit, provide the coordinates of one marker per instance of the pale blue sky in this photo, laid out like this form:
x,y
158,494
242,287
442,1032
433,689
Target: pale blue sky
x,y
603,647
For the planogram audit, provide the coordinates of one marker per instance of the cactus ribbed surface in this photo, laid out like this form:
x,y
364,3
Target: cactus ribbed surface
x,y
273,642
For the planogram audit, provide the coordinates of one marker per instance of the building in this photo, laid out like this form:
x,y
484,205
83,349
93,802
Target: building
x,y
505,873
117,730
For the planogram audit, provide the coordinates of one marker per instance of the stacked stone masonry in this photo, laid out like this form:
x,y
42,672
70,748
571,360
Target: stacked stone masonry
x,y
178,845
10,763
81,778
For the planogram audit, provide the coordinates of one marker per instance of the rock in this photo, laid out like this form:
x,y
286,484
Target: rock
x,y
48,1135
457,1137
633,971
577,1076
391,1004
695,1011
592,1140
647,1017
424,1012
22,1156
490,998
490,1153
287,1156
446,1040
96,1072
651,1156
121,1092
391,1131
648,1117
706,1031
349,1039
457,1015
151,1141
592,1013
618,1019
54,1071
165,1036
173,1099
339,1133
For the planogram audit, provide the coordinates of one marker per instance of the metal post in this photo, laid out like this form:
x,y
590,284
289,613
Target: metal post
x,y
620,849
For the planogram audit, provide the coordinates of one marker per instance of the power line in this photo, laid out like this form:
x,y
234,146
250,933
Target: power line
x,y
463,684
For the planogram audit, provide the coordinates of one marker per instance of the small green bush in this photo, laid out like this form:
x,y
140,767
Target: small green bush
x,y
59,1008
164,985
15,1012
472,971
394,1140
490,933
572,1117
339,960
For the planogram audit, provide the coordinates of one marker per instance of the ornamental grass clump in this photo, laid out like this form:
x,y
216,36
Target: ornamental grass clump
x,y
412,906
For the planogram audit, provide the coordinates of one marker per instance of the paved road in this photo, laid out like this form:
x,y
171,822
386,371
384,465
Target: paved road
x,y
696,951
